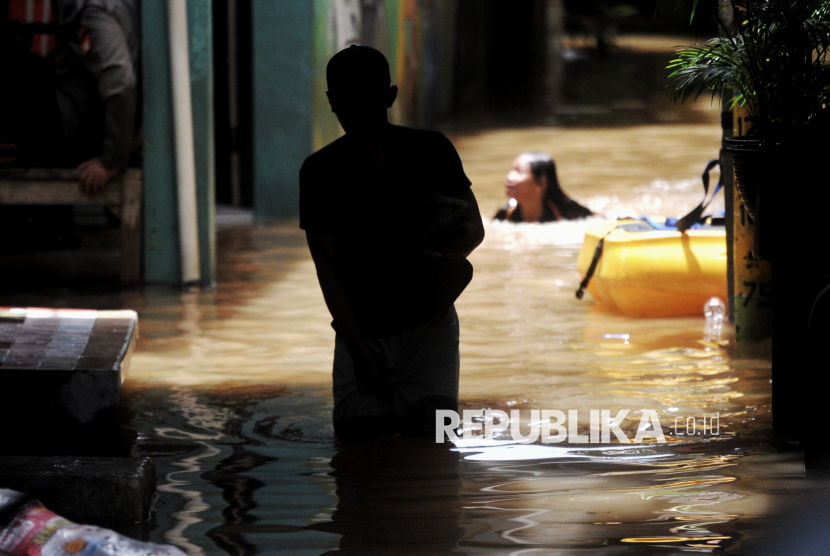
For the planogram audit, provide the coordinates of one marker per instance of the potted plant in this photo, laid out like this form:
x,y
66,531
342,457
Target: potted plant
x,y
774,63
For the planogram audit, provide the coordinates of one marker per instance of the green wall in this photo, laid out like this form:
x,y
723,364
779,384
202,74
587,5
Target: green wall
x,y
200,28
161,248
161,239
325,128
292,42
282,103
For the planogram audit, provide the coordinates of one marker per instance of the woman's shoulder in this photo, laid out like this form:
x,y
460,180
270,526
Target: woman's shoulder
x,y
565,209
574,210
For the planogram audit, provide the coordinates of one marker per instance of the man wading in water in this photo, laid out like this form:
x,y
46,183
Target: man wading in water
x,y
390,219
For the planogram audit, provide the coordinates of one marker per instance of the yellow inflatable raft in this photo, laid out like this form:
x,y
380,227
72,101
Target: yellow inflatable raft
x,y
645,271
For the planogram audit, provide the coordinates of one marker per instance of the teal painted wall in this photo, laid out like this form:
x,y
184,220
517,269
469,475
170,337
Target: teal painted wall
x,y
282,103
161,247
161,239
200,29
324,123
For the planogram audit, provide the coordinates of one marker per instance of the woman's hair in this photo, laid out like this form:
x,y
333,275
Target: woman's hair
x,y
541,165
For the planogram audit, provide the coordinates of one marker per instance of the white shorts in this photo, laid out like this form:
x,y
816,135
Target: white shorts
x,y
424,367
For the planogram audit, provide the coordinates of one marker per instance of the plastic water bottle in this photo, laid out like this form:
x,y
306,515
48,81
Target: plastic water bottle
x,y
715,313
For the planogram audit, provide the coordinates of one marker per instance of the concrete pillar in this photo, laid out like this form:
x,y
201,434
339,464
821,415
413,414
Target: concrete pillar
x,y
752,300
727,120
282,103
161,251
200,29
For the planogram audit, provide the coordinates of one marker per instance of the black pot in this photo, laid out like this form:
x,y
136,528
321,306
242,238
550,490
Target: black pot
x,y
749,155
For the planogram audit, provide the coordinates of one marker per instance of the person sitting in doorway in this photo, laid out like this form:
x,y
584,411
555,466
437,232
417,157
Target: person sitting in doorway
x,y
79,105
534,192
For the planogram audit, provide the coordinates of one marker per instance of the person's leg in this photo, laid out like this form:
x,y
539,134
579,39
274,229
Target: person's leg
x,y
425,375
357,413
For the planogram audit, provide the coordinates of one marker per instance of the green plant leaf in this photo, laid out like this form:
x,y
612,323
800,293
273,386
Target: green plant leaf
x,y
776,64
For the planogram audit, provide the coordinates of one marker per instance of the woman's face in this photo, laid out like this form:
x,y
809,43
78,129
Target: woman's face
x,y
521,185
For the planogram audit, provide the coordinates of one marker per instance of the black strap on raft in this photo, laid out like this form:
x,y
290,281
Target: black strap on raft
x,y
697,213
683,224
591,269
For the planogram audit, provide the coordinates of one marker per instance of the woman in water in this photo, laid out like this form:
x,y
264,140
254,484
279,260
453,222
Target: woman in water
x,y
535,194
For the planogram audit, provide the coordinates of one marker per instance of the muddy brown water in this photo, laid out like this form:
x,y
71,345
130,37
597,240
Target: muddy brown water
x,y
229,392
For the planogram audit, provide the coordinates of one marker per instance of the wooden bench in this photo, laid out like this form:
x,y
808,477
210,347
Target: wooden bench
x,y
123,194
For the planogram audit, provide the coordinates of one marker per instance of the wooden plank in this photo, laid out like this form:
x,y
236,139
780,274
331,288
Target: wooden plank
x,y
55,192
131,227
39,174
55,186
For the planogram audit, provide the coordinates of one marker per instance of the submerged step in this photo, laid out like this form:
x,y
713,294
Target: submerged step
x,y
84,489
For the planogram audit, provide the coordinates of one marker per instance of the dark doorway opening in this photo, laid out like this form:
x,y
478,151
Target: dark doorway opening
x,y
232,102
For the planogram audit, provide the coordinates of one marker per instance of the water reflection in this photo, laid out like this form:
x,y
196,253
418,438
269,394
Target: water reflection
x,y
608,497
396,495
240,480
238,493
235,476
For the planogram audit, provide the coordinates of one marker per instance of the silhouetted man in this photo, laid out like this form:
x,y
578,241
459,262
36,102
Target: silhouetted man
x,y
390,219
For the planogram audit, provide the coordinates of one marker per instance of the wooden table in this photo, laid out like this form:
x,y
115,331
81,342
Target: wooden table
x,y
47,186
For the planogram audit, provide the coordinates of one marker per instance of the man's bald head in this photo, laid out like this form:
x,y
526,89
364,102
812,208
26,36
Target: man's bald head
x,y
359,89
358,69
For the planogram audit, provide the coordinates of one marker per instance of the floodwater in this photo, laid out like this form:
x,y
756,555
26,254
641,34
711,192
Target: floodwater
x,y
229,392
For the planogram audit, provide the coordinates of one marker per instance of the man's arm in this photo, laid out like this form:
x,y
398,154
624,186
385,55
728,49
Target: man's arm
x,y
456,184
368,367
471,233
110,61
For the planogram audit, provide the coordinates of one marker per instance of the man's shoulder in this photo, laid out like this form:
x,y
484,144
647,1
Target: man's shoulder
x,y
324,157
418,135
424,144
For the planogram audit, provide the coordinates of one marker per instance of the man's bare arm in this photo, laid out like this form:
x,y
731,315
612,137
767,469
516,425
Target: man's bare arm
x,y
471,233
367,365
